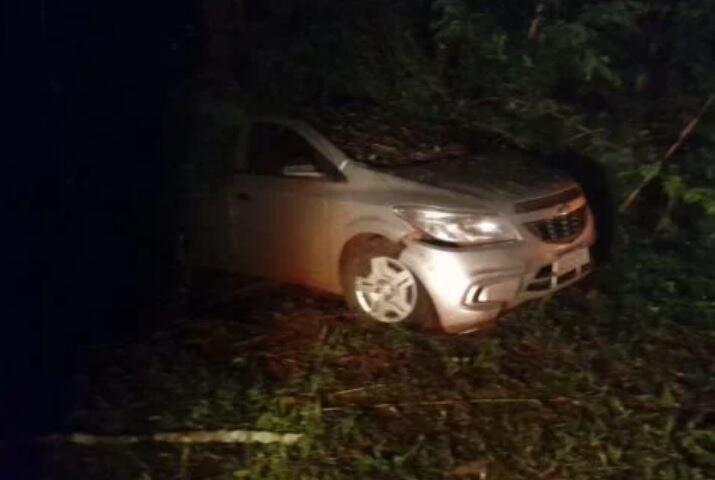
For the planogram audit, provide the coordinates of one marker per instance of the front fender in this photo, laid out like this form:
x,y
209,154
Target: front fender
x,y
392,230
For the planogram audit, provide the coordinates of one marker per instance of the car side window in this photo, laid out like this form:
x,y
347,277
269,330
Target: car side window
x,y
274,150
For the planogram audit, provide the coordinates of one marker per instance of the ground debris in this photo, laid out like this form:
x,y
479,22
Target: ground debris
x,y
381,139
523,403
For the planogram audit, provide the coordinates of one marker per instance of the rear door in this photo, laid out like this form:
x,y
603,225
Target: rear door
x,y
280,214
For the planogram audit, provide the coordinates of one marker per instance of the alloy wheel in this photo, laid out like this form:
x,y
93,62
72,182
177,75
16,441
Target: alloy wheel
x,y
388,293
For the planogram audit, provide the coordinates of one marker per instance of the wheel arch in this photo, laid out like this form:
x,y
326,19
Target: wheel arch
x,y
355,244
360,231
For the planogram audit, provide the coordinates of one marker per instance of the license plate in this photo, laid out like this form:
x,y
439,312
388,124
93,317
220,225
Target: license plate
x,y
571,260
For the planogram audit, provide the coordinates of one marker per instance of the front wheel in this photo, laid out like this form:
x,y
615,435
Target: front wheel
x,y
380,287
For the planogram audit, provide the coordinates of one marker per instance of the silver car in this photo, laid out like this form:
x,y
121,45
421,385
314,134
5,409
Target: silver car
x,y
448,240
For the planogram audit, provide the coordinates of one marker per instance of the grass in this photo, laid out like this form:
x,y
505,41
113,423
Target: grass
x,y
615,384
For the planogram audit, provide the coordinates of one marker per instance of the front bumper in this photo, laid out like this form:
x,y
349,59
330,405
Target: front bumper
x,y
470,287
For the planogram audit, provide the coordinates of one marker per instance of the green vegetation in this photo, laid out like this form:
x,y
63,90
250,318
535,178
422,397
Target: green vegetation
x,y
613,384
613,80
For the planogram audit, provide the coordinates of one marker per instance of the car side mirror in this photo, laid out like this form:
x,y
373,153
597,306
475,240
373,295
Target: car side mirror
x,y
303,170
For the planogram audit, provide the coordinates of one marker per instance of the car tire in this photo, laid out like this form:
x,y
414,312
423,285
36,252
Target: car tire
x,y
358,265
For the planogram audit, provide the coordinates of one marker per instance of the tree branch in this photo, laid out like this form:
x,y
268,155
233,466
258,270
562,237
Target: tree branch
x,y
684,134
189,437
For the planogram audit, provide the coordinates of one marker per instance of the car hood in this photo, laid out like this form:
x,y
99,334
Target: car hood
x,y
495,177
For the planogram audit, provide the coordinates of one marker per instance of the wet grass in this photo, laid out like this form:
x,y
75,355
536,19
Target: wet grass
x,y
616,383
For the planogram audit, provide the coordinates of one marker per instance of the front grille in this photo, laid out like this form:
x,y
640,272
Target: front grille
x,y
547,201
560,229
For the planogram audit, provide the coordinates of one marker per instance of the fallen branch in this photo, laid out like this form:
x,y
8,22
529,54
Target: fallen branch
x,y
438,403
190,437
684,134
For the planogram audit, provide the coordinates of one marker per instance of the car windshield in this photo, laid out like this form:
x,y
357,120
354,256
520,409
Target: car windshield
x,y
381,140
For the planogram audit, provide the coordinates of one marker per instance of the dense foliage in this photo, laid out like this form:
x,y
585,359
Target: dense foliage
x,y
615,81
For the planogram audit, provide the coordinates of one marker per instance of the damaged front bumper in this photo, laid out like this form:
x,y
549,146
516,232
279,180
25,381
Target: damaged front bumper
x,y
471,286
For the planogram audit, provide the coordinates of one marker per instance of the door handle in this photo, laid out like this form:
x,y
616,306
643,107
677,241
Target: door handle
x,y
243,196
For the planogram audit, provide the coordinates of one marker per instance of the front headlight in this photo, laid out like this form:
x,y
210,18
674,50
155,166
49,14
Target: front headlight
x,y
458,227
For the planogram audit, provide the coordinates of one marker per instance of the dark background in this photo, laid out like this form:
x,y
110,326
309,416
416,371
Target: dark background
x,y
85,186
90,143
92,140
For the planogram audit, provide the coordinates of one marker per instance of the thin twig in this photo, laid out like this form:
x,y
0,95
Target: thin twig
x,y
360,389
684,134
403,458
184,463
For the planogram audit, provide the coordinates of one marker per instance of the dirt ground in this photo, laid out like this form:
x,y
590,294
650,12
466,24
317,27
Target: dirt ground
x,y
568,387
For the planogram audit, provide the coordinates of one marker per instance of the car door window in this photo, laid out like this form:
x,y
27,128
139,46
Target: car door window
x,y
275,149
